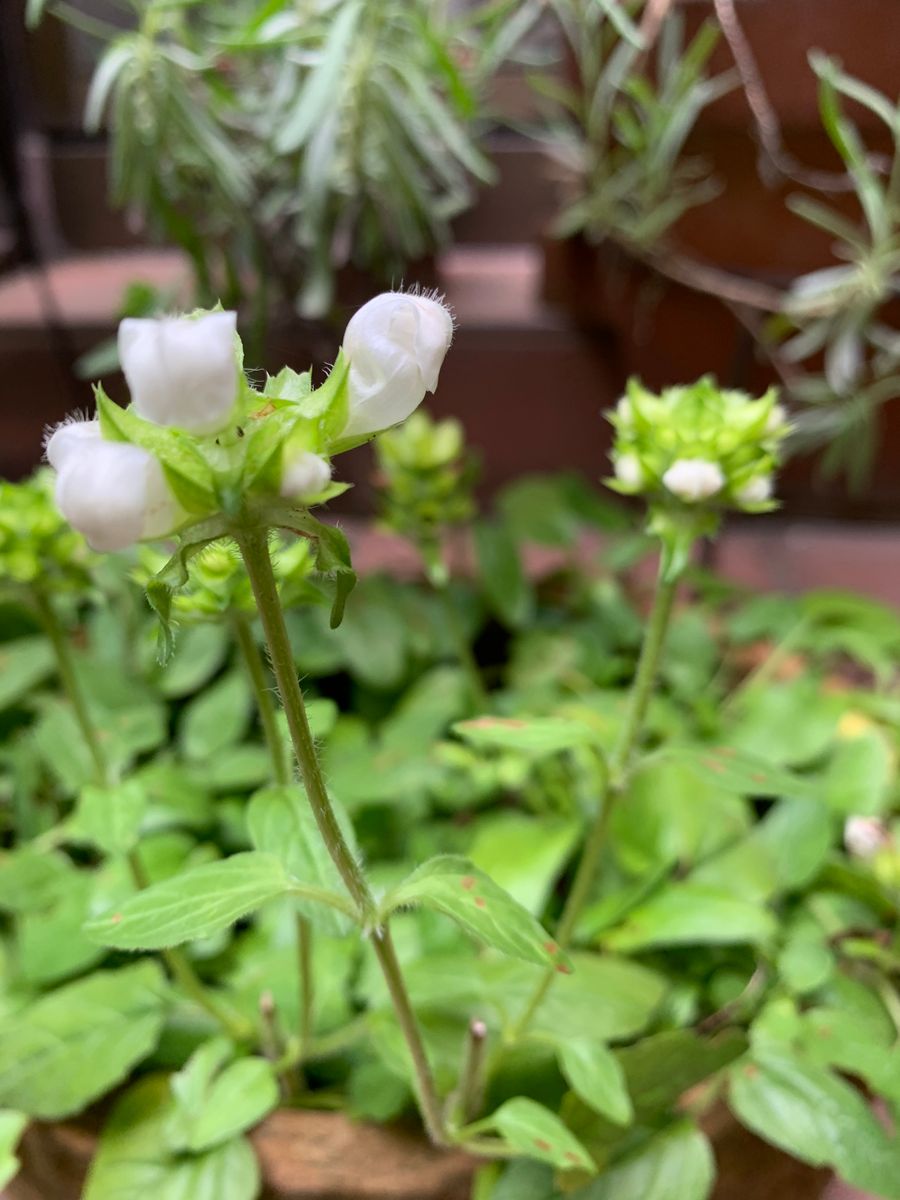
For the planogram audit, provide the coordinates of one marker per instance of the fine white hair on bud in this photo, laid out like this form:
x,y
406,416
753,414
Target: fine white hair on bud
x,y
395,345
181,371
112,492
694,479
756,490
629,471
305,475
865,836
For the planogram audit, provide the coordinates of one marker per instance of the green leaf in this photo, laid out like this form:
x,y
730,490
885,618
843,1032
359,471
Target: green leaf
x,y
31,881
50,944
216,1098
536,1132
24,664
135,1161
322,83
72,1046
503,577
676,1164
595,1074
659,1069
455,887
537,736
818,1117
738,771
202,650
281,822
217,718
194,904
605,997
110,817
685,914
860,775
524,855
186,470
12,1126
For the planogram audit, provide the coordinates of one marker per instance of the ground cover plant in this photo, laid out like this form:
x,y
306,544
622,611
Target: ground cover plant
x,y
552,863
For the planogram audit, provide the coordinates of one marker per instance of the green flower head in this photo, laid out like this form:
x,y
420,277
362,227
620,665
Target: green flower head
x,y
36,543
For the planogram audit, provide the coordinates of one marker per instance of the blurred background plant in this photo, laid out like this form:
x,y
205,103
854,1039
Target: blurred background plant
x,y
843,355
619,125
279,143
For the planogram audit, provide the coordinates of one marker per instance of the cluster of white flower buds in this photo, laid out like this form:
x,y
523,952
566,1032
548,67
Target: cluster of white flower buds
x,y
183,374
698,445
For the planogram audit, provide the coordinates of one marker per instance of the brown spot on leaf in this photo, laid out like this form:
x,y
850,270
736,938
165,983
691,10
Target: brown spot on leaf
x,y
467,882
551,947
480,901
759,777
115,918
726,751
713,764
563,968
543,1145
497,723
751,1070
572,1157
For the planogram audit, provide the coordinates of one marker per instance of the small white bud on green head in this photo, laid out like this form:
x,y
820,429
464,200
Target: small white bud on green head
x,y
181,371
629,471
756,490
305,476
694,479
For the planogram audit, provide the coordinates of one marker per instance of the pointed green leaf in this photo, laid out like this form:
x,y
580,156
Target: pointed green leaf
x,y
536,1132
281,822
109,817
194,904
594,1073
72,1046
216,1098
685,914
676,1164
455,887
135,1161
532,735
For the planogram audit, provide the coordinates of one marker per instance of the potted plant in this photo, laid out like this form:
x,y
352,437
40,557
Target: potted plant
x,y
635,903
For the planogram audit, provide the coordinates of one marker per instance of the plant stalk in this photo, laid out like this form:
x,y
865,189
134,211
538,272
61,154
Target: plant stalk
x,y
254,548
282,776
638,702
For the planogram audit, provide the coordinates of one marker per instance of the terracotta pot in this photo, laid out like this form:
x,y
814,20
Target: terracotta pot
x,y
325,1156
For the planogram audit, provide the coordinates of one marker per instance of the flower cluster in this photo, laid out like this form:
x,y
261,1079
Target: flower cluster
x,y
37,546
425,478
218,584
698,445
197,440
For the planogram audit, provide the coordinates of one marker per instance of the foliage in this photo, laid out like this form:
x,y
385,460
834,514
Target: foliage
x,y
838,316
729,942
620,129
278,142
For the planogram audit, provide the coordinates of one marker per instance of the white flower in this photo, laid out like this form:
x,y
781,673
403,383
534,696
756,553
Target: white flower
x,y
629,470
756,490
181,371
865,836
305,475
112,492
694,479
396,344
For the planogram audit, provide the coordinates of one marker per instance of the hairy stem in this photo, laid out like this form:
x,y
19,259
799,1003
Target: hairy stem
x,y
253,544
282,775
629,737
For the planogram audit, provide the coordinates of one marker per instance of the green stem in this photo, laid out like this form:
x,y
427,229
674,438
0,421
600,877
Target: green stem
x,y
261,683
629,737
282,775
176,960
463,648
253,544
65,665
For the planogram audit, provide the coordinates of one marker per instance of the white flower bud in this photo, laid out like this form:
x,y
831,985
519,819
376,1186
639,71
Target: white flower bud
x,y
181,371
112,492
624,413
305,475
629,471
694,479
865,836
396,344
776,419
756,490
